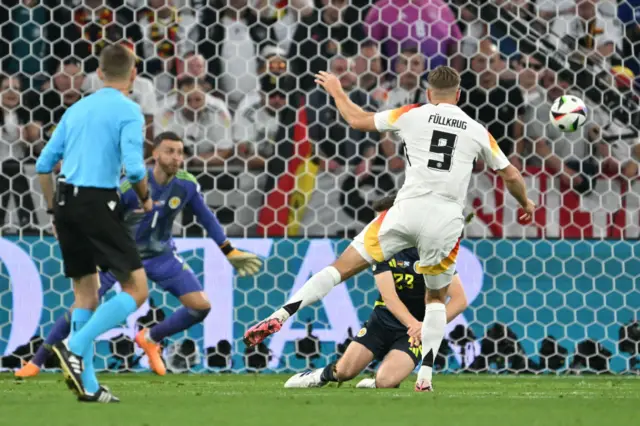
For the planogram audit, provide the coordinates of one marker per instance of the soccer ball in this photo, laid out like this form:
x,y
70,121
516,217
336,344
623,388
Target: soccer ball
x,y
568,113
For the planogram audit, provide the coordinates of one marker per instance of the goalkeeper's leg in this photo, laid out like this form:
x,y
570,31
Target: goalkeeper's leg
x,y
60,331
184,285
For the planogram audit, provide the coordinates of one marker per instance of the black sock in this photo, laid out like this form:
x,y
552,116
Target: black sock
x,y
329,374
292,308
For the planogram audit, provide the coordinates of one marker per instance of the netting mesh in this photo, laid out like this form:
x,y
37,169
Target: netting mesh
x,y
275,161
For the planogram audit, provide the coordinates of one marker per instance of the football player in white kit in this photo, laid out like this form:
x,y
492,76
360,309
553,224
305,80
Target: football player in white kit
x,y
441,144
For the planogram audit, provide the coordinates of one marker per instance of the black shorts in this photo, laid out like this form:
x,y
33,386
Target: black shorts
x,y
383,332
92,233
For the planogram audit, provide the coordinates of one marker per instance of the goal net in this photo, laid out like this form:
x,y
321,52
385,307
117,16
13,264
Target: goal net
x,y
290,182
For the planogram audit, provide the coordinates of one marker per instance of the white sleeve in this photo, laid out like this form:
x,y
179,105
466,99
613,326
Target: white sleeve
x,y
223,121
387,121
492,154
612,31
146,96
243,129
188,34
91,83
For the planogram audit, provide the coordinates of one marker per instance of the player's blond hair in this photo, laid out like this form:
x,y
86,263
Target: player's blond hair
x,y
444,79
116,62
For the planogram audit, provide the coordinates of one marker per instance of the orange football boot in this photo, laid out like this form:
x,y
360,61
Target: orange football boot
x,y
28,370
153,351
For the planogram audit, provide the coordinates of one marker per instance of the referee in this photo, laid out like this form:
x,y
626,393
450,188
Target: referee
x,y
95,139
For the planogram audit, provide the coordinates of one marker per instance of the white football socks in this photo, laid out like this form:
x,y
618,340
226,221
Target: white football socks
x,y
433,326
313,290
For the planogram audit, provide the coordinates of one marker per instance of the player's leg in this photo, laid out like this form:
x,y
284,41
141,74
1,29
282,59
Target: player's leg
x,y
396,366
172,275
382,237
438,242
433,326
59,331
78,366
317,287
372,341
355,359
113,249
79,265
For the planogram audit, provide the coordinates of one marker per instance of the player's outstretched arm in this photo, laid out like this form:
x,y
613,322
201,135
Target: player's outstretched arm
x,y
357,118
516,186
244,262
496,160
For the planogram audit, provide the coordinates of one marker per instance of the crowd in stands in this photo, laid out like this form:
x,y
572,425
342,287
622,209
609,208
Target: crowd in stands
x,y
231,77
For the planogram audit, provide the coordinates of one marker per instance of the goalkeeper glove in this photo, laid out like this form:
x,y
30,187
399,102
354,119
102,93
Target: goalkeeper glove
x,y
244,262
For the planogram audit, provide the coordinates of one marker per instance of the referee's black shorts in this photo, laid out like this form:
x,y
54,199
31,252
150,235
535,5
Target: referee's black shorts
x,y
92,233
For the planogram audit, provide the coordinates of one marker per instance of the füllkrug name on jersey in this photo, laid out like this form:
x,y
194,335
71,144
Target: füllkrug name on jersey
x,y
446,121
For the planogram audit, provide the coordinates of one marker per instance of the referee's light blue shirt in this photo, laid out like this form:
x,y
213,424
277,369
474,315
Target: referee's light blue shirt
x,y
95,138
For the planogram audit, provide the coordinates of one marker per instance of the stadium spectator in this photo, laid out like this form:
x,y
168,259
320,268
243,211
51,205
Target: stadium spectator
x,y
81,29
195,66
320,36
408,87
367,65
466,14
231,35
286,16
427,23
164,36
617,144
257,119
272,62
18,136
336,143
594,26
202,122
550,9
256,123
58,94
494,101
22,35
629,15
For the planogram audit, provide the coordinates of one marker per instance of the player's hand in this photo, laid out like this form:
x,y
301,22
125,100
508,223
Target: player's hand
x,y
144,210
244,262
329,82
147,206
414,330
529,209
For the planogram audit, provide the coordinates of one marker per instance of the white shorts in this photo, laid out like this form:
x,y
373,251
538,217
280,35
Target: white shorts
x,y
430,224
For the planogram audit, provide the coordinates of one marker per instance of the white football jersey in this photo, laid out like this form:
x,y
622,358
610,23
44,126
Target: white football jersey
x,y
441,143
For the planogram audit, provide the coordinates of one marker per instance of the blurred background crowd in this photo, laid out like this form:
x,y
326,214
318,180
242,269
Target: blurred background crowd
x,y
234,78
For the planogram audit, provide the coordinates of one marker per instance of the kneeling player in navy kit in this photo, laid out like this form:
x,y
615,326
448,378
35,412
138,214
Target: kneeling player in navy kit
x,y
389,334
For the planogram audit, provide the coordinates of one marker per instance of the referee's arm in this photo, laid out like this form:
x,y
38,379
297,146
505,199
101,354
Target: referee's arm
x,y
49,157
131,151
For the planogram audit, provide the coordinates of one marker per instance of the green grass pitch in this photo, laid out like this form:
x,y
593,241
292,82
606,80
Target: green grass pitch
x,y
260,400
